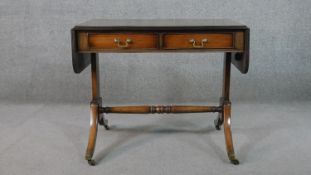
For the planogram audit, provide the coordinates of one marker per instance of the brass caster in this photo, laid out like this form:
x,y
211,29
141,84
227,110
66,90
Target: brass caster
x,y
235,161
217,124
219,121
104,122
91,162
107,127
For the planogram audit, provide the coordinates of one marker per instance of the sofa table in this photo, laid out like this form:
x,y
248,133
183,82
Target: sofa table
x,y
160,35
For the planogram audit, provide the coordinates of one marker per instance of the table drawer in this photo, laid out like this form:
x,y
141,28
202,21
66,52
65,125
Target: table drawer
x,y
198,41
115,41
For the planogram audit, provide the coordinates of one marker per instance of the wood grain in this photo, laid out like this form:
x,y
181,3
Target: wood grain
x,y
181,40
239,40
106,41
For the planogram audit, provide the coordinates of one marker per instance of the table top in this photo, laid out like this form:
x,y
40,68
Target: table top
x,y
165,24
80,35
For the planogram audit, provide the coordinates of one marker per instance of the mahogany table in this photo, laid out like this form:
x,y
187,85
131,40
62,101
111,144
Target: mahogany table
x,y
161,35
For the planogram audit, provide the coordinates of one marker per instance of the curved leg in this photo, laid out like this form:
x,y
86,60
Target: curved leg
x,y
93,134
102,121
228,135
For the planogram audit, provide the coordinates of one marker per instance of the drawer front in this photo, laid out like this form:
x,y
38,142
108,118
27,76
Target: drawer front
x,y
198,41
122,41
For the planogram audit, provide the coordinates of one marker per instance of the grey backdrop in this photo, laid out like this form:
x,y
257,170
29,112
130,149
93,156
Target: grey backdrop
x,y
36,57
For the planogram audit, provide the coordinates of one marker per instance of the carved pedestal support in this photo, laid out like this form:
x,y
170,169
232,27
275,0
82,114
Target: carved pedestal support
x,y
96,103
224,117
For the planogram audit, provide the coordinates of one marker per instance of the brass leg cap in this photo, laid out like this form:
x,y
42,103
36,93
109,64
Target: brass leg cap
x,y
107,127
217,125
235,161
91,162
104,122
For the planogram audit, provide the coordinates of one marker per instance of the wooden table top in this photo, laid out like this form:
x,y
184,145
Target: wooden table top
x,y
87,38
158,24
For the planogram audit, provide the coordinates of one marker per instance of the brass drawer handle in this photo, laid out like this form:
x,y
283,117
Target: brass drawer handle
x,y
194,45
126,45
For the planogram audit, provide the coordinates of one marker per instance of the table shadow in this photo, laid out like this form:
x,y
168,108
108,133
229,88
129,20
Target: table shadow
x,y
156,130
